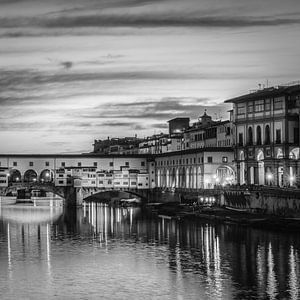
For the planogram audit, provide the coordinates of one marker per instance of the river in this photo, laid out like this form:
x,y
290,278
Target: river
x,y
99,252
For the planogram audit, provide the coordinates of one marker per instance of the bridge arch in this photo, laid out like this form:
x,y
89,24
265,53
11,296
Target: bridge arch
x,y
30,176
109,195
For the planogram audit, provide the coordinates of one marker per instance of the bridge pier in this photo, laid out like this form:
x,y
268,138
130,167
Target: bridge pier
x,y
79,197
73,197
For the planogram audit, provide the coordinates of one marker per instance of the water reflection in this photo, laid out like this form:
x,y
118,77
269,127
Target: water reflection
x,y
116,253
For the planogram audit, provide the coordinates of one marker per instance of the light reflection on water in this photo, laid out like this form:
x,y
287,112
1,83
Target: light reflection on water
x,y
125,253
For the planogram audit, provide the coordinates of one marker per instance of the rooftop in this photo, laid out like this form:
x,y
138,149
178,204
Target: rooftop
x,y
266,93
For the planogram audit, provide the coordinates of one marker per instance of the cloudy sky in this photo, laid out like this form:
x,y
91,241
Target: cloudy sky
x,y
77,70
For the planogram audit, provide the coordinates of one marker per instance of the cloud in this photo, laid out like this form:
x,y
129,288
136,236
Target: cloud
x,y
161,20
162,109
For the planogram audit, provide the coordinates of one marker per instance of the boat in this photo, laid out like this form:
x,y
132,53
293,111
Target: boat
x,y
237,209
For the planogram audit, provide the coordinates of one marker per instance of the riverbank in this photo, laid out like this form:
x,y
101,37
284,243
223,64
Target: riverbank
x,y
222,214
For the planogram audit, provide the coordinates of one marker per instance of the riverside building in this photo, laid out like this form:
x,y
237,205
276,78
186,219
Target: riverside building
x,y
266,136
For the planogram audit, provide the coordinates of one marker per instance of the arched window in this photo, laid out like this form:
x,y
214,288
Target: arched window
x,y
258,135
250,136
267,135
30,176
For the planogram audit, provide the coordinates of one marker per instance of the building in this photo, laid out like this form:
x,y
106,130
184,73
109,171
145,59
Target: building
x,y
195,168
208,133
91,170
266,136
126,145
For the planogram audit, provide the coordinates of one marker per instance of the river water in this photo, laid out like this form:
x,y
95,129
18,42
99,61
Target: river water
x,y
101,252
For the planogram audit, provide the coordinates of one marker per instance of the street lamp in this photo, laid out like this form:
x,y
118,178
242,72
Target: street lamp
x,y
292,179
269,177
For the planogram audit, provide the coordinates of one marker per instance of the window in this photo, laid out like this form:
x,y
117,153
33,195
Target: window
x,y
258,135
60,175
79,164
250,107
126,163
133,183
95,164
278,136
61,182
267,135
224,159
240,139
31,163
240,108
142,164
15,163
278,103
209,159
250,136
63,164
111,164
47,163
268,104
259,105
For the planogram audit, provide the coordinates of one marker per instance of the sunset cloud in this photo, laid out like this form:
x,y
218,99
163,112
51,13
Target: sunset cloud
x,y
72,71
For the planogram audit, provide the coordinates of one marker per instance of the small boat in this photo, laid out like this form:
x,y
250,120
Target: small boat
x,y
237,209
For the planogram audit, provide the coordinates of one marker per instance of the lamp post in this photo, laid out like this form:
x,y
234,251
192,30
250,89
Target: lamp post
x,y
269,178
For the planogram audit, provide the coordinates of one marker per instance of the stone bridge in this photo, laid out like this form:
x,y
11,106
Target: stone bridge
x,y
74,196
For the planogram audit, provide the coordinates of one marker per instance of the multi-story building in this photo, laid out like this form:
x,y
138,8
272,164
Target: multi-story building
x,y
208,133
267,136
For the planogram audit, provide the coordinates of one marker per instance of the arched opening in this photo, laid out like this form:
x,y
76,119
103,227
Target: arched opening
x,y
225,175
242,168
199,182
250,136
258,135
177,178
269,176
30,176
46,176
173,178
163,178
167,178
267,135
294,154
14,176
187,179
293,178
261,167
183,178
